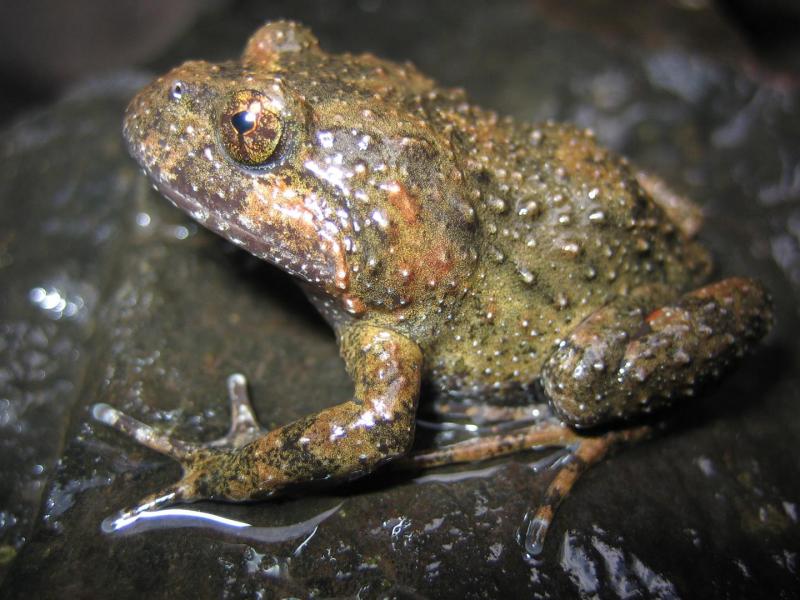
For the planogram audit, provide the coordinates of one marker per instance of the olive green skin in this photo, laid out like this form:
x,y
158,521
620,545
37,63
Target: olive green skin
x,y
492,260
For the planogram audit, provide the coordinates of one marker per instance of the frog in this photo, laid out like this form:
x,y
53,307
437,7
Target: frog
x,y
519,275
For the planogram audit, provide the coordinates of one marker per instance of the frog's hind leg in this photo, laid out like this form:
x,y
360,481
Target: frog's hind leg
x,y
585,452
641,353
493,446
192,456
486,414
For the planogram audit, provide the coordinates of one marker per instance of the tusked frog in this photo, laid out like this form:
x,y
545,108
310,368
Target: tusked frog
x,y
522,272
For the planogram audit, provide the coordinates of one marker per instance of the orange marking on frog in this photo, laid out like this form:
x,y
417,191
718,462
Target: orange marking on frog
x,y
407,204
426,266
353,304
281,206
653,316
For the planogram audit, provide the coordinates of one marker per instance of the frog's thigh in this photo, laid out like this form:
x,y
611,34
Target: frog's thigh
x,y
635,355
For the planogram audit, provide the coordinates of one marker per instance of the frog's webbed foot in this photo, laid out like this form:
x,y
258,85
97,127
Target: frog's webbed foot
x,y
585,451
243,430
192,456
588,451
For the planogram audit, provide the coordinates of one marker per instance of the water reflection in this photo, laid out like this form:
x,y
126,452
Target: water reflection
x,y
180,518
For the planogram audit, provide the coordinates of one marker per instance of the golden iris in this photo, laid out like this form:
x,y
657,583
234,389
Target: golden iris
x,y
249,129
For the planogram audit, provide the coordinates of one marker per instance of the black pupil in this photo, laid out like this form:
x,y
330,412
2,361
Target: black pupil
x,y
243,121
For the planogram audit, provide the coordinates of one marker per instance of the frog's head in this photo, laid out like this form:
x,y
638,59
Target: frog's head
x,y
319,163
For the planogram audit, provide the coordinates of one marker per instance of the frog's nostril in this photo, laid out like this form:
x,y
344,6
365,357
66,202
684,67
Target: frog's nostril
x,y
177,90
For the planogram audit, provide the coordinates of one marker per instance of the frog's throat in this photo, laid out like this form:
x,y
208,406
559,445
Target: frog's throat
x,y
262,245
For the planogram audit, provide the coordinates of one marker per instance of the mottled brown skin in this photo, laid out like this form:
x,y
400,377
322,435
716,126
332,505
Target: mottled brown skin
x,y
499,262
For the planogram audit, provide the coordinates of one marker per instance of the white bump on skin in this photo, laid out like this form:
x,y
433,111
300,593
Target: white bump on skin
x,y
392,188
336,432
245,221
379,218
332,174
367,419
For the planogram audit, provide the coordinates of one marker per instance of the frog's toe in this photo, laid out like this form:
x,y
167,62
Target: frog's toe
x,y
244,425
588,452
243,429
143,433
584,451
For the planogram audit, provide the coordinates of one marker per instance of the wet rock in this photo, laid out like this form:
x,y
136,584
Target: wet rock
x,y
59,235
109,294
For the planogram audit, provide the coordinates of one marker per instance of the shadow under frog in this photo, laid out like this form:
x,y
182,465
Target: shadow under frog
x,y
518,270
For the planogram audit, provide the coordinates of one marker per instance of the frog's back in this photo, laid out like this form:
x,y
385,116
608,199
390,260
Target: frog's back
x,y
576,224
564,227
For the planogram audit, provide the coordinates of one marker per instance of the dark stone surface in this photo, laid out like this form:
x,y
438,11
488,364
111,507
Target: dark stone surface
x,y
48,45
109,294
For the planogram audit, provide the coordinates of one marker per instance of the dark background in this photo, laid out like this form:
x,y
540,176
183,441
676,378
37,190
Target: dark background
x,y
46,45
107,293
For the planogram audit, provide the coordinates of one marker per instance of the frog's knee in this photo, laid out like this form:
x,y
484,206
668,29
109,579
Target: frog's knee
x,y
576,382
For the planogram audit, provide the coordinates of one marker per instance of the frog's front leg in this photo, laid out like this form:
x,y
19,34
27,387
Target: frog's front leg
x,y
342,442
642,351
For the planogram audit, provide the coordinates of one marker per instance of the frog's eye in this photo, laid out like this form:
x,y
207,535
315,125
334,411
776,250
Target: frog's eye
x,y
249,129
